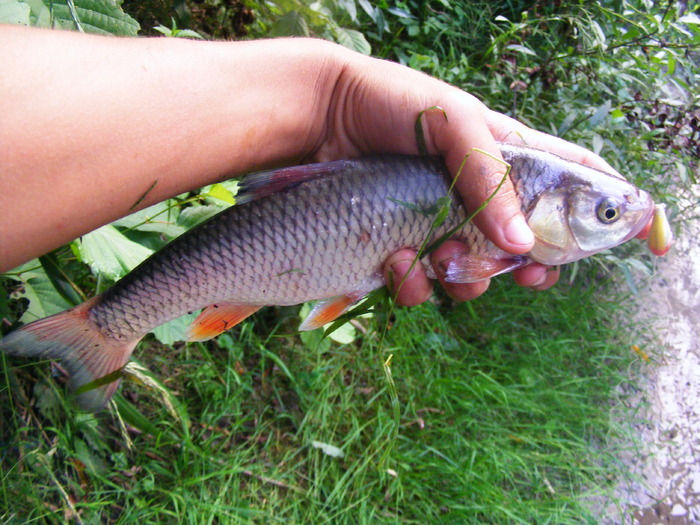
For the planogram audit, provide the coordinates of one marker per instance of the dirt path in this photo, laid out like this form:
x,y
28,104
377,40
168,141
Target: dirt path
x,y
667,469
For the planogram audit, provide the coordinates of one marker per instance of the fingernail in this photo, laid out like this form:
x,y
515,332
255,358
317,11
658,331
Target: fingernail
x,y
539,281
401,267
518,232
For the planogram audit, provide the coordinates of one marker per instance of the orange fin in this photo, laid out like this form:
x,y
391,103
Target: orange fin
x,y
473,268
92,360
218,318
328,310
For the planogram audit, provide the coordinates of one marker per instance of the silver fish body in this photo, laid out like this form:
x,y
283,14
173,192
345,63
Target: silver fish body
x,y
321,238
323,232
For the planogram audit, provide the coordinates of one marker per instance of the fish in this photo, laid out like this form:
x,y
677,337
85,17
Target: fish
x,y
322,232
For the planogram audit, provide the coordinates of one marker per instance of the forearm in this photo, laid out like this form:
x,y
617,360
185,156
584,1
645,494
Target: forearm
x,y
95,124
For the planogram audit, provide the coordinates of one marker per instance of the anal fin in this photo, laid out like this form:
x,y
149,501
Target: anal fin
x,y
469,268
217,318
328,310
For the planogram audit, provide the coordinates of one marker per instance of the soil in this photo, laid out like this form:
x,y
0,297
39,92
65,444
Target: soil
x,y
665,488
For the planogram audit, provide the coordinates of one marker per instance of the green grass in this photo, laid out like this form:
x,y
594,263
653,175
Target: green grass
x,y
500,414
497,411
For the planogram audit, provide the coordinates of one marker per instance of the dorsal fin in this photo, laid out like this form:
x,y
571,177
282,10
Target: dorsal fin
x,y
258,185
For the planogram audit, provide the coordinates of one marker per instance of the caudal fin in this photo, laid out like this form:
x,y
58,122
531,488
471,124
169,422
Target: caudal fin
x,y
92,360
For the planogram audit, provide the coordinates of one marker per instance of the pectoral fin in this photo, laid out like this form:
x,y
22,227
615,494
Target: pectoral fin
x,y
328,310
218,318
473,268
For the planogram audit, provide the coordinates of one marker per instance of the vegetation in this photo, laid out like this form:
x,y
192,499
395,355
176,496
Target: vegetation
x,y
495,411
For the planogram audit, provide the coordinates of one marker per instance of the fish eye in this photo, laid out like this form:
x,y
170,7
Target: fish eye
x,y
608,211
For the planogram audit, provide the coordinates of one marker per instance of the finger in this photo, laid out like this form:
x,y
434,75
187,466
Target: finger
x,y
458,291
506,129
473,156
536,276
410,286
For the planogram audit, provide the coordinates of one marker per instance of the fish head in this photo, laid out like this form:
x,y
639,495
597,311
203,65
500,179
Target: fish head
x,y
584,212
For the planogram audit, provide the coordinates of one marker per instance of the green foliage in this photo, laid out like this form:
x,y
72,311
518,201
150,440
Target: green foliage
x,y
482,422
92,16
175,32
494,411
321,19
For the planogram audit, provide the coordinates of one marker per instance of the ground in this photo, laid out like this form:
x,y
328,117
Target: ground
x,y
666,484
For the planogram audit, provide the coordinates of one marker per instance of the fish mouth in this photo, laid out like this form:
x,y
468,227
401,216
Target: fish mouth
x,y
645,221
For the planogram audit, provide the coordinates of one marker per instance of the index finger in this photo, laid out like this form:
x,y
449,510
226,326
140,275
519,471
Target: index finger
x,y
506,129
472,155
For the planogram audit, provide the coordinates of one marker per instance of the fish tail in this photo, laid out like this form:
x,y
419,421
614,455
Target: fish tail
x,y
92,360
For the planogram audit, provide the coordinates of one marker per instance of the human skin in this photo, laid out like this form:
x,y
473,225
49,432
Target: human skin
x,y
90,126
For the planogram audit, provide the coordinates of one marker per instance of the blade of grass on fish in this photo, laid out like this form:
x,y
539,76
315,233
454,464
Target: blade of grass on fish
x,y
420,136
434,209
442,209
437,243
441,215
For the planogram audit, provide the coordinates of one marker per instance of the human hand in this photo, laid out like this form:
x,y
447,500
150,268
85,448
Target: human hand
x,y
374,108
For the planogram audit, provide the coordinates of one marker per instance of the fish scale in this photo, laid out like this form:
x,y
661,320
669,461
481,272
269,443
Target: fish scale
x,y
323,232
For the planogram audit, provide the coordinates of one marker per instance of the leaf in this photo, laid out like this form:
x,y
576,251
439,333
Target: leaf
x,y
368,8
159,218
191,217
600,113
566,124
109,253
598,143
43,298
60,280
521,49
600,40
291,24
104,17
344,335
94,463
617,113
401,13
47,401
350,7
14,12
690,18
218,191
353,40
174,331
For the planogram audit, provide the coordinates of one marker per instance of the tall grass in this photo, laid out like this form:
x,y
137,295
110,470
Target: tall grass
x,y
502,418
493,411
